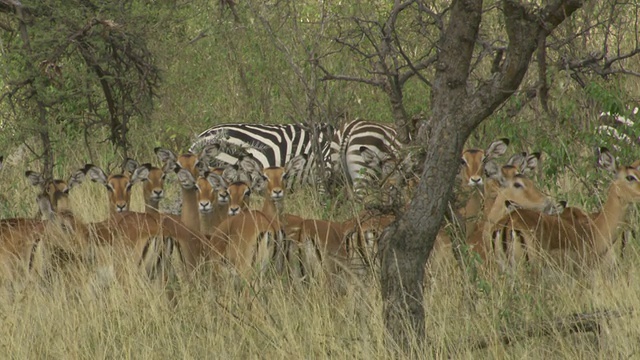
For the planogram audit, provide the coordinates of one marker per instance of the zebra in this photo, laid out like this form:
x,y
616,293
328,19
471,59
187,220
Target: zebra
x,y
270,144
347,147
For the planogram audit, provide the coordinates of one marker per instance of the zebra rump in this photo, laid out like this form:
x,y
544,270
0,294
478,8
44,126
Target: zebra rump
x,y
347,143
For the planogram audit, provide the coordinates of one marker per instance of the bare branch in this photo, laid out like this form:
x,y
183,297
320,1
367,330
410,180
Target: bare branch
x,y
328,76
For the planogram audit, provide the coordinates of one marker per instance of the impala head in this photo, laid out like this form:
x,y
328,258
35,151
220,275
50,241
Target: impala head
x,y
520,163
188,166
606,161
57,190
557,208
272,178
519,189
212,188
239,194
627,184
153,184
118,185
474,161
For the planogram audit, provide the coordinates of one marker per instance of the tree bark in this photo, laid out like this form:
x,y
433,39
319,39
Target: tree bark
x,y
457,111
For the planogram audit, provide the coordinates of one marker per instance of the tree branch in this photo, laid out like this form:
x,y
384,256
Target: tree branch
x,y
575,323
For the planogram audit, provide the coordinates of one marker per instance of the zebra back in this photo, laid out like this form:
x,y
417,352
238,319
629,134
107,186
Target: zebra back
x,y
270,144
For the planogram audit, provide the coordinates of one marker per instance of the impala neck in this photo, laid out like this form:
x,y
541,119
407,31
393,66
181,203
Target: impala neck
x,y
491,192
151,206
211,220
190,214
206,223
273,210
612,215
472,197
61,203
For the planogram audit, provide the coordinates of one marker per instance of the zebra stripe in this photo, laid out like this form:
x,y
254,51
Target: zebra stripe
x,y
271,145
347,142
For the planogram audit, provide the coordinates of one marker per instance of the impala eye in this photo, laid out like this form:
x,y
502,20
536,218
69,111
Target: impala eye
x,y
463,161
518,185
128,187
631,178
247,193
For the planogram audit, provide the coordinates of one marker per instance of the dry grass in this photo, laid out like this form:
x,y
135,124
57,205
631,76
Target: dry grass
x,y
94,311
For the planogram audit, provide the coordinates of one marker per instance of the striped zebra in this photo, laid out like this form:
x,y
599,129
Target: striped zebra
x,y
271,145
347,151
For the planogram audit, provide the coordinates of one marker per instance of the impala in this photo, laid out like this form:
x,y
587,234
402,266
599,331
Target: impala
x,y
56,189
272,181
153,183
587,239
213,198
244,238
188,168
507,185
320,243
472,174
118,185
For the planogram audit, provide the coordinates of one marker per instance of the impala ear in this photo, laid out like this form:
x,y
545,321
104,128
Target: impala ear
x,y
296,163
141,173
531,163
96,174
496,148
606,160
492,170
231,174
165,155
130,166
250,164
76,178
187,181
35,178
258,182
517,159
217,182
209,151
511,205
556,209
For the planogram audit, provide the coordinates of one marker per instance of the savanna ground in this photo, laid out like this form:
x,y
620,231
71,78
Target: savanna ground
x,y
238,74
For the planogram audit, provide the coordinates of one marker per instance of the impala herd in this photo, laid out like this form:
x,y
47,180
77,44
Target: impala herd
x,y
506,219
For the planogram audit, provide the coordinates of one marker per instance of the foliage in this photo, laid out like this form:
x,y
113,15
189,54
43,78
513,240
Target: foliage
x,y
209,62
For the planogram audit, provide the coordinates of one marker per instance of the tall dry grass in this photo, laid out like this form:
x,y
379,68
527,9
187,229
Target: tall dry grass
x,y
109,309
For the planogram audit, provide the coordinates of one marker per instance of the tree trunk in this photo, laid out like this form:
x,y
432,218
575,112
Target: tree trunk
x,y
456,113
403,125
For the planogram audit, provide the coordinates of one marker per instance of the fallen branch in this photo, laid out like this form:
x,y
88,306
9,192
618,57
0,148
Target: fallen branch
x,y
575,323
